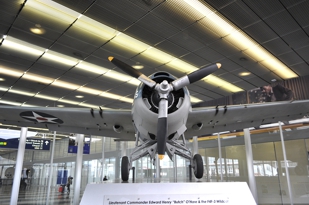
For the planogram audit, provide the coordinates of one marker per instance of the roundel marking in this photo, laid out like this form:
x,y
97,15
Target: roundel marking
x,y
40,117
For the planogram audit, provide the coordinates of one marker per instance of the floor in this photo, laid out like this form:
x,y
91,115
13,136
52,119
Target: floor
x,y
36,195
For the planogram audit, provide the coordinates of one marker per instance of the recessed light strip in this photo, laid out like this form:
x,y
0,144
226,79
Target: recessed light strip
x,y
230,33
45,97
66,85
124,41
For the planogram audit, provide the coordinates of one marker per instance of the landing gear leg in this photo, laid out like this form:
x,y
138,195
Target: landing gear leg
x,y
125,168
198,166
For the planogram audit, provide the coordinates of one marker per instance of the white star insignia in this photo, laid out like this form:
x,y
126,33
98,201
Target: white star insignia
x,y
40,118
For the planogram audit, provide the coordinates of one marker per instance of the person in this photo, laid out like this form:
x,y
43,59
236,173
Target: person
x,y
105,178
69,182
277,93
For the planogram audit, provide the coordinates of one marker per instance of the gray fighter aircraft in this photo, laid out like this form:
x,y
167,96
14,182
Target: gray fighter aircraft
x,y
161,118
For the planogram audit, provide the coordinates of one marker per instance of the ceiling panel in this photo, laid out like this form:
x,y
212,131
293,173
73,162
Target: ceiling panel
x,y
265,9
245,85
148,37
277,46
209,54
296,39
108,17
301,69
290,58
223,47
260,32
157,25
299,11
78,6
171,48
282,23
236,12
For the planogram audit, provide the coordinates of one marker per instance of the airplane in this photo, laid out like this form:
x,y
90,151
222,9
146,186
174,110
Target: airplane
x,y
161,118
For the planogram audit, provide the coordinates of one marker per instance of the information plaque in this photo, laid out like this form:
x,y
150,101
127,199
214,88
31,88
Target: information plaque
x,y
191,193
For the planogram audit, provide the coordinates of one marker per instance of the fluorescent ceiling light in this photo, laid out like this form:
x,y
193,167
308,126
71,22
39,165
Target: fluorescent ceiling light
x,y
126,42
95,28
116,97
37,78
67,60
157,55
230,33
303,120
89,90
22,46
55,99
10,102
63,59
91,68
222,84
66,85
52,10
271,125
114,74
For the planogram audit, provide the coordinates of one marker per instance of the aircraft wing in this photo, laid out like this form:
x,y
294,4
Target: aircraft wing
x,y
236,117
71,120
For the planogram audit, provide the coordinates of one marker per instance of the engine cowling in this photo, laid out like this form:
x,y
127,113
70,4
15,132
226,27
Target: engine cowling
x,y
145,108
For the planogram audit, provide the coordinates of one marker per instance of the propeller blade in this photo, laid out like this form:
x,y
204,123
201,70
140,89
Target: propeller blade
x,y
194,76
132,72
162,127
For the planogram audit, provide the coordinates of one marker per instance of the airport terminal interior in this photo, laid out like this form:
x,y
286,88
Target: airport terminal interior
x,y
102,76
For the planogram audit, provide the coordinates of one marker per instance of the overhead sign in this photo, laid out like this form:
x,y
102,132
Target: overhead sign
x,y
73,145
31,143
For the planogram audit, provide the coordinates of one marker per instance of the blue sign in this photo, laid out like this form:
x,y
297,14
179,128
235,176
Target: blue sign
x,y
31,143
62,176
73,147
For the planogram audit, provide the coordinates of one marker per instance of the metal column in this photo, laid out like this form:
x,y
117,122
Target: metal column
x,y
103,158
195,145
51,168
249,156
220,156
19,165
175,168
286,164
78,168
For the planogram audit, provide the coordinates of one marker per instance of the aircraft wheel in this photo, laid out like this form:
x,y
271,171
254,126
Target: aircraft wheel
x,y
198,166
125,168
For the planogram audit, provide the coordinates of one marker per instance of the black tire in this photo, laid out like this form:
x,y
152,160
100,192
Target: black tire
x,y
198,166
125,169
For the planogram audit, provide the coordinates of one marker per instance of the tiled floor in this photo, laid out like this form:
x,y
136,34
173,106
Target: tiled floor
x,y
36,195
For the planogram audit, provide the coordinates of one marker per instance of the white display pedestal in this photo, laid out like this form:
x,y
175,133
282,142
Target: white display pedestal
x,y
168,193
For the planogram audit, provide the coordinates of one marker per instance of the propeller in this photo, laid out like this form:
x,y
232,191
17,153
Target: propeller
x,y
164,88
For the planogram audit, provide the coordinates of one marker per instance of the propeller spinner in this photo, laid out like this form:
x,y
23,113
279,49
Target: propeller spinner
x,y
164,88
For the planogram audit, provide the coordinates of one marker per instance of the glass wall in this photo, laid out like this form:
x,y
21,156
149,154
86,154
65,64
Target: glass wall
x,y
268,164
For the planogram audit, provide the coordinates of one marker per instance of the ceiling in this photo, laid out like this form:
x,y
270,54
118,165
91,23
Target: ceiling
x,y
281,27
52,70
